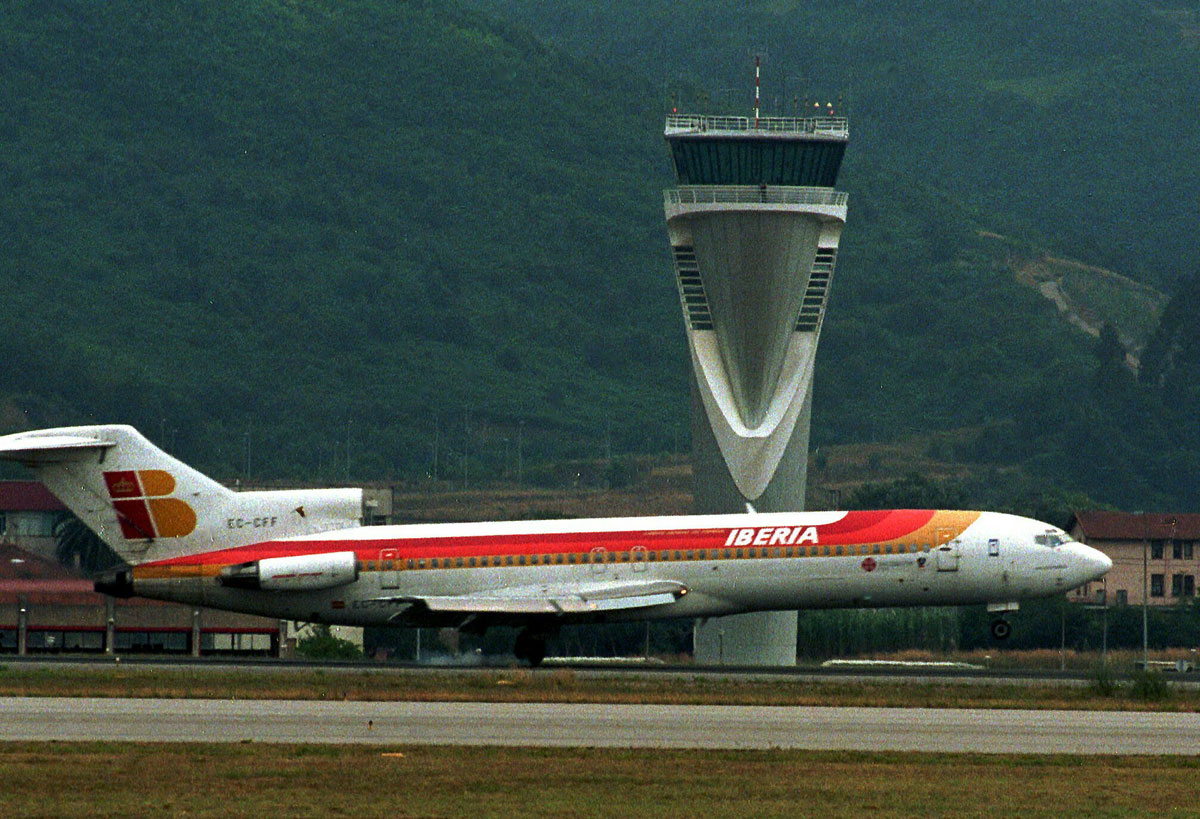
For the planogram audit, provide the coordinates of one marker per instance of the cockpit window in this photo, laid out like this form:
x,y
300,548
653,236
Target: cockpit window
x,y
1051,539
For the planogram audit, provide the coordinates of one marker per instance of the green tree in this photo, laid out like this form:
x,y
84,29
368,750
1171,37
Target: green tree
x,y
913,491
319,643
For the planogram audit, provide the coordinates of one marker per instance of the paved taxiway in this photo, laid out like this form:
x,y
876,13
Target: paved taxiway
x,y
646,726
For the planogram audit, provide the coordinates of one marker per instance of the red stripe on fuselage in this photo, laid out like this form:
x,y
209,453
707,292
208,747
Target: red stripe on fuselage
x,y
854,528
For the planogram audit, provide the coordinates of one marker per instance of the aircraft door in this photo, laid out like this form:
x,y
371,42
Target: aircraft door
x,y
639,558
599,560
389,577
946,551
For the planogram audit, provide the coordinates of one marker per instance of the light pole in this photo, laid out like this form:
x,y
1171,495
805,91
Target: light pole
x,y
1145,593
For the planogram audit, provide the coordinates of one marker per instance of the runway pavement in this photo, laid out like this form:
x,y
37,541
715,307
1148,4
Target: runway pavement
x,y
628,726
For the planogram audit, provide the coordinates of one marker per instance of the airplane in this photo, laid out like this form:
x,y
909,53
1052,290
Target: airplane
x,y
302,554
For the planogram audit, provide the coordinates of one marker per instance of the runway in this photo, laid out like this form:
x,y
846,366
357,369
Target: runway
x,y
617,726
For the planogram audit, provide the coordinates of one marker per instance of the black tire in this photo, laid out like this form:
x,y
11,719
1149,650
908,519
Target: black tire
x,y
1001,629
530,648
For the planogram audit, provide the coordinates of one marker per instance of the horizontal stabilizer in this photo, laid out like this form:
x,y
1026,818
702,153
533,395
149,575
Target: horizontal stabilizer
x,y
573,599
33,447
149,506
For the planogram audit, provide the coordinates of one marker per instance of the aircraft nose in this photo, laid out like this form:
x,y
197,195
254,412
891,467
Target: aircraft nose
x,y
1095,564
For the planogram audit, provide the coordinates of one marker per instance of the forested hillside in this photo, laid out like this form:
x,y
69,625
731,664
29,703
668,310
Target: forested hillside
x,y
1076,119
368,240
280,219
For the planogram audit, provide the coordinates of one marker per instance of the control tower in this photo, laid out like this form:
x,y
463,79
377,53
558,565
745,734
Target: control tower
x,y
754,224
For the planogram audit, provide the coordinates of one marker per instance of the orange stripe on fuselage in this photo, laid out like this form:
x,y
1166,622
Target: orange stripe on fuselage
x,y
921,527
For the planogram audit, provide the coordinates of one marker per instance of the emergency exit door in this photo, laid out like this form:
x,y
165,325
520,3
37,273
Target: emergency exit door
x,y
946,551
389,576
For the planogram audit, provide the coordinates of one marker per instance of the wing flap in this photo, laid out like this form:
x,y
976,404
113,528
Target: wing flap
x,y
556,600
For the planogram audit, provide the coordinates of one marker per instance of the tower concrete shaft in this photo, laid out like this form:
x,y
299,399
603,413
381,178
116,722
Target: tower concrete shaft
x,y
754,226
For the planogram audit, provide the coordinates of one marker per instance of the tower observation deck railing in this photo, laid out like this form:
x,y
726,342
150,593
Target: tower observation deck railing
x,y
681,124
753,194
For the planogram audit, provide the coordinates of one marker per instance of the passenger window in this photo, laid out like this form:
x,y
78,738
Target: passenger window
x,y
993,547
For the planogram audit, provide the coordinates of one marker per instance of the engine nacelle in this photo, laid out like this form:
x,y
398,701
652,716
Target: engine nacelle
x,y
298,573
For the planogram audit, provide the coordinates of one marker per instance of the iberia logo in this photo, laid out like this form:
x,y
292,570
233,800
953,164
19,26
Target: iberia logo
x,y
143,508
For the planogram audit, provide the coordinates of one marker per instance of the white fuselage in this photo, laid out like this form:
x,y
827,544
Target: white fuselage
x,y
721,564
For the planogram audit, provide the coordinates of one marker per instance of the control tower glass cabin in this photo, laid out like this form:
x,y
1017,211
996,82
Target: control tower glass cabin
x,y
754,224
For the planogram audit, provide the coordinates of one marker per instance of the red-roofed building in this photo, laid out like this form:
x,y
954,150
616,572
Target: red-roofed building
x,y
27,515
47,608
1156,551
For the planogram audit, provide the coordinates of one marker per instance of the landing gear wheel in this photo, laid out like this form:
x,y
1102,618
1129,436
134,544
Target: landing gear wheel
x,y
530,648
1001,629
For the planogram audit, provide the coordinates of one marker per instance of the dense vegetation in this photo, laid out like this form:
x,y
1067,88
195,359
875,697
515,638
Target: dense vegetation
x,y
368,240
275,226
1064,117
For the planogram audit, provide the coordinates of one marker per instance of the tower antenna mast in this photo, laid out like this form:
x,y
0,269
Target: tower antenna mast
x,y
756,76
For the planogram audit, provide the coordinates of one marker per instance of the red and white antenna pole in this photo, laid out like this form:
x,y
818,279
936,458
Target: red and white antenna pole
x,y
756,74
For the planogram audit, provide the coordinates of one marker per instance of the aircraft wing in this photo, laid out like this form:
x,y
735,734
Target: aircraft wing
x,y
567,599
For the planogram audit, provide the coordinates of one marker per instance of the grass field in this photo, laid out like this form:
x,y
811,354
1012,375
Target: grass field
x,y
99,779
567,685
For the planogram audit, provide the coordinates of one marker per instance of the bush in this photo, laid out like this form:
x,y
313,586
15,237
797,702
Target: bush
x,y
1150,686
1104,682
320,644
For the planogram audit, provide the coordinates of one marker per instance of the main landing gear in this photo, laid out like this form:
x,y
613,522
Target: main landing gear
x,y
1001,629
530,647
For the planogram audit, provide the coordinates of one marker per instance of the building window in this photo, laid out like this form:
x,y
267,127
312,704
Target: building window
x,y
1122,597
1189,549
1177,585
1189,585
1156,585
1156,550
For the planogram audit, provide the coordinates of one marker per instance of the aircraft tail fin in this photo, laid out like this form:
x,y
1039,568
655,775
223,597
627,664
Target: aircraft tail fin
x,y
148,506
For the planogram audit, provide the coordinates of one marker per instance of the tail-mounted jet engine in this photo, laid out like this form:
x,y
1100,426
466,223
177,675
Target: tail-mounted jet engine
x,y
298,573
